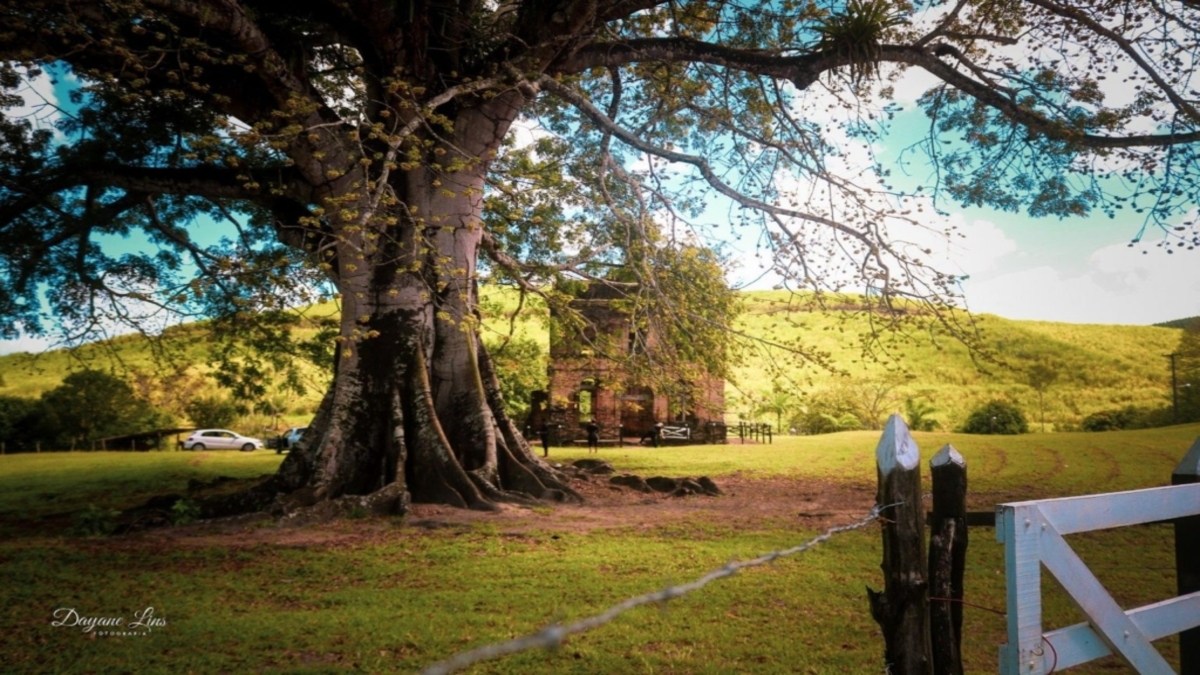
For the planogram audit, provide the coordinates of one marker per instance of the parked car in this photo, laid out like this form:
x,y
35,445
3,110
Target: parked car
x,y
217,439
291,437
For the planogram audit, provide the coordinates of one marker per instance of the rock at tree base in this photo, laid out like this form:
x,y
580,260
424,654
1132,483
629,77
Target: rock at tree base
x,y
594,466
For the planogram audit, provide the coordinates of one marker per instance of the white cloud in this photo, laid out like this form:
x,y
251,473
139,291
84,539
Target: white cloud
x,y
971,248
25,344
1121,285
41,104
526,131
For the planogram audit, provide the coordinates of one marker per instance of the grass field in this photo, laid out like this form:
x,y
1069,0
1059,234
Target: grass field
x,y
396,594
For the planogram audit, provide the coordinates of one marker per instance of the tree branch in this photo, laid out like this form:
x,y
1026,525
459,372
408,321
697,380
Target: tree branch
x,y
805,69
1030,119
231,20
1125,46
210,182
601,120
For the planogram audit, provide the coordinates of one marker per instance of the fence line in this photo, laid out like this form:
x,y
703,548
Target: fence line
x,y
552,636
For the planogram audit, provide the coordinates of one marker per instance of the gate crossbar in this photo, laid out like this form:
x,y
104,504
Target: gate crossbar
x,y
1032,533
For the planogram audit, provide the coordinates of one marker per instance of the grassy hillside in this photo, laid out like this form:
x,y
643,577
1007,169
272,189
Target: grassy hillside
x,y
1098,366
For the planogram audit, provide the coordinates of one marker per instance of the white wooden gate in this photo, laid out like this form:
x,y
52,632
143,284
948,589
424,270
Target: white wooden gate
x,y
1032,533
676,433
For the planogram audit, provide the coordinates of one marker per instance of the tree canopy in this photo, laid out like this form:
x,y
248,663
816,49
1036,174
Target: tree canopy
x,y
379,149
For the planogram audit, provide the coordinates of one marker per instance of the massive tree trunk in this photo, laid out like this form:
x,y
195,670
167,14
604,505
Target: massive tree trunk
x,y
414,407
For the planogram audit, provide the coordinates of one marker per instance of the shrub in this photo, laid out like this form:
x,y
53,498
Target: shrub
x,y
829,411
826,423
919,414
996,417
184,511
1111,420
95,522
1129,417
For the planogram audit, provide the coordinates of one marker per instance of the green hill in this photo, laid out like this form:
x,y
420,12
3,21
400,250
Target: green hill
x,y
1098,367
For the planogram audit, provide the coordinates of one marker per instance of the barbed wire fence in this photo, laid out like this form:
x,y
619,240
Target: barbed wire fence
x,y
552,636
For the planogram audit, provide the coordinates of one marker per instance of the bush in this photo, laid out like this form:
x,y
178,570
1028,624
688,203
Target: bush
x,y
996,417
95,522
918,413
1129,417
830,411
184,511
1111,420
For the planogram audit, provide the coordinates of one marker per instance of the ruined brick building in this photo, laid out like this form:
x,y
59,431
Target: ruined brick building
x,y
589,381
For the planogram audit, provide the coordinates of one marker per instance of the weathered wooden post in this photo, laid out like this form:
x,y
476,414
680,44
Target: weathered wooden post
x,y
947,559
1187,559
902,609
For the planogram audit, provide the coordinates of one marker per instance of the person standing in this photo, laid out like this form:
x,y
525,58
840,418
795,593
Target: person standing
x,y
593,436
544,432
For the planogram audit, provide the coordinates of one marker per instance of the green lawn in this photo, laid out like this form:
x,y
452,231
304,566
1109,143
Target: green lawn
x,y
387,595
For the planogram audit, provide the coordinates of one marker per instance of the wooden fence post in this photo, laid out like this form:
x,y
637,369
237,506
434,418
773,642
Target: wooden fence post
x,y
947,559
902,609
1187,559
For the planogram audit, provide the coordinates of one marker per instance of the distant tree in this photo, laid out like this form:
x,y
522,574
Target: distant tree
x,y
778,402
521,368
996,417
169,389
831,410
212,411
878,396
90,405
918,413
16,418
1040,376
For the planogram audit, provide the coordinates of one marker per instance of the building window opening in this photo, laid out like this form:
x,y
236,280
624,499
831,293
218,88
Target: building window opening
x,y
679,409
587,401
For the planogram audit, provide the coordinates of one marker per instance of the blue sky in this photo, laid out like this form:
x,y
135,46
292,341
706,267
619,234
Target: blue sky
x,y
1078,270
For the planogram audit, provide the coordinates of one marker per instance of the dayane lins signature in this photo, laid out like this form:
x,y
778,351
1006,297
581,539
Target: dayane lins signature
x,y
144,621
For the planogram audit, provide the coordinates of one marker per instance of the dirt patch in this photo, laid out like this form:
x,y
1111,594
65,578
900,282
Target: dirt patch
x,y
745,501
748,502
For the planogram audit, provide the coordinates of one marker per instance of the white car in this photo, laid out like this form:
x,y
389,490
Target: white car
x,y
218,439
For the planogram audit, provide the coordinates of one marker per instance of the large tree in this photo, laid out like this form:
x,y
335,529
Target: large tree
x,y
373,145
